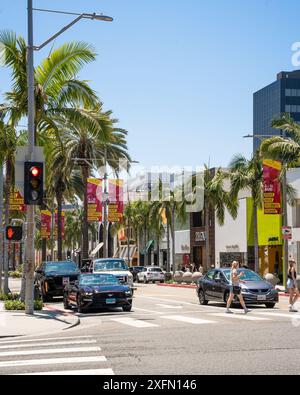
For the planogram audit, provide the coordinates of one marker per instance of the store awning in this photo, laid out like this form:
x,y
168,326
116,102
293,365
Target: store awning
x,y
148,247
96,250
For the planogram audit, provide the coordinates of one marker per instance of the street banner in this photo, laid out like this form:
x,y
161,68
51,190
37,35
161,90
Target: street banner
x,y
116,201
62,223
271,187
16,202
94,195
45,224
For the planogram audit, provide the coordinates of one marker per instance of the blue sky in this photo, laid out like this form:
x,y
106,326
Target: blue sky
x,y
179,75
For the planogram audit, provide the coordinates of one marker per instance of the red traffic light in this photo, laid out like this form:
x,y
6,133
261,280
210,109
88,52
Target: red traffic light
x,y
10,233
14,233
35,171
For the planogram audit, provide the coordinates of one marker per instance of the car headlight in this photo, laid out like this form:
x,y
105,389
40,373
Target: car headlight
x,y
128,293
88,294
245,290
130,279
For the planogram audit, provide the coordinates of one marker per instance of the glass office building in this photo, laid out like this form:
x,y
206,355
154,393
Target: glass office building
x,y
282,96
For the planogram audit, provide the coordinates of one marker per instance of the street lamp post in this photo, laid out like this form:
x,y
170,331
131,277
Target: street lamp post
x,y
30,264
284,209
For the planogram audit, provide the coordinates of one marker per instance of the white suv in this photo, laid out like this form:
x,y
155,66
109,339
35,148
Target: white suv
x,y
116,267
151,274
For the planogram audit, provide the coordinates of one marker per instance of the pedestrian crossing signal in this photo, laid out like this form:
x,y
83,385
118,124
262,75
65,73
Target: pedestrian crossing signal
x,y
14,233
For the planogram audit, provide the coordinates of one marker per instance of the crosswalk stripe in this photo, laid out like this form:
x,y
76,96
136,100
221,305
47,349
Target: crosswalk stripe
x,y
50,351
240,317
44,339
134,323
166,306
46,344
54,361
281,315
190,320
88,372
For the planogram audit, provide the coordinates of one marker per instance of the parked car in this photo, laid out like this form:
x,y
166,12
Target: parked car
x,y
52,277
134,270
151,274
92,291
114,266
215,286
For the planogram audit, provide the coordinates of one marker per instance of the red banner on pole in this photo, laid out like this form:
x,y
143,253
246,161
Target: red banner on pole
x,y
116,201
272,188
45,224
94,195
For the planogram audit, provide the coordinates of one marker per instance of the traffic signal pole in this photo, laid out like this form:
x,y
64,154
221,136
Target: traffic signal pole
x,y
1,227
30,252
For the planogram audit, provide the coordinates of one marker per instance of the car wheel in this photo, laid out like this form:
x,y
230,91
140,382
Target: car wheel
x,y
202,298
46,298
270,305
162,281
66,304
127,308
80,309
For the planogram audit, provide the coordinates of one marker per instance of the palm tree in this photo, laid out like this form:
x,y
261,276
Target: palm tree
x,y
216,199
248,174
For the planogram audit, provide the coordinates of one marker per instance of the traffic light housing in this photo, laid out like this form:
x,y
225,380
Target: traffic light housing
x,y
33,183
14,233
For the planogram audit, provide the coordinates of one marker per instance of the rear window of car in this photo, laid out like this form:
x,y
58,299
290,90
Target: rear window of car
x,y
155,270
61,267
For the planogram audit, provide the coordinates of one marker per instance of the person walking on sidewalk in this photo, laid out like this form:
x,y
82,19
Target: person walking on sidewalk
x,y
235,290
292,286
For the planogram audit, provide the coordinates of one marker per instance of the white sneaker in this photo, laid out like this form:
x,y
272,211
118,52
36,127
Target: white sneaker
x,y
293,310
229,311
247,311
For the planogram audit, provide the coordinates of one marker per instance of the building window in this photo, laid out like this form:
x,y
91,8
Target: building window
x,y
297,215
288,108
198,220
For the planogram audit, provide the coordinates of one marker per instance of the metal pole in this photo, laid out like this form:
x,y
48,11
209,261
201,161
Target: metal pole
x,y
1,227
52,232
105,219
30,264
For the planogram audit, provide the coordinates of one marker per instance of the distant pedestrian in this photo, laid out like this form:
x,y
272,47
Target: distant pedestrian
x,y
235,289
292,286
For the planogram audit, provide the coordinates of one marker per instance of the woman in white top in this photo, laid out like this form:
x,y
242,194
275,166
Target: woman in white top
x,y
235,289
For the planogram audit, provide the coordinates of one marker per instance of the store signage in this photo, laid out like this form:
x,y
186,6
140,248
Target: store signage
x,y
200,236
271,187
233,248
94,196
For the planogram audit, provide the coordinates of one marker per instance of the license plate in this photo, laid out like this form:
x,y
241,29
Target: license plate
x,y
66,280
261,298
111,301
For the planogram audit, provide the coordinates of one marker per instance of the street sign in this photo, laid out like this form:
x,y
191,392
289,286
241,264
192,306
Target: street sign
x,y
287,233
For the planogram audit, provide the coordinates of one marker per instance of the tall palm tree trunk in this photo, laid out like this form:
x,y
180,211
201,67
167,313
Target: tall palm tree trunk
x,y
168,247
59,225
85,225
256,241
207,241
8,180
44,249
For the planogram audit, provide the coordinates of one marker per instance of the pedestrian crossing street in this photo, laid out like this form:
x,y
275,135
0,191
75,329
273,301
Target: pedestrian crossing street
x,y
79,355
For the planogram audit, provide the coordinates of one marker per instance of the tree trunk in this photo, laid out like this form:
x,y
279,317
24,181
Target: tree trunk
x,y
158,249
44,250
256,241
59,225
14,257
207,241
85,226
7,199
173,240
168,247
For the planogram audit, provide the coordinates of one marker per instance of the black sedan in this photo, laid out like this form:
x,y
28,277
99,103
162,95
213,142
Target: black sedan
x,y
93,291
215,286
52,277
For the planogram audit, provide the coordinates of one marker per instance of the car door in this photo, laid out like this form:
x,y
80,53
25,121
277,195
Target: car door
x,y
219,285
208,284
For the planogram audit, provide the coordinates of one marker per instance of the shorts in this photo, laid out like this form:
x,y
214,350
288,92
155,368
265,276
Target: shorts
x,y
291,284
236,291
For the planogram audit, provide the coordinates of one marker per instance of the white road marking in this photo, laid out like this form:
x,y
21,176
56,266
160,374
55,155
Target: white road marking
x,y
190,320
282,315
134,323
89,372
166,306
240,316
168,300
147,311
50,351
44,339
46,344
54,361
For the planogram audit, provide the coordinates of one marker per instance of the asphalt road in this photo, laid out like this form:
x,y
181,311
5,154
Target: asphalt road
x,y
167,332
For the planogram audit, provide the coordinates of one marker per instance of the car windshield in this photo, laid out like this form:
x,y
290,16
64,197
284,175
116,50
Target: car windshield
x,y
248,275
61,267
98,279
155,270
101,266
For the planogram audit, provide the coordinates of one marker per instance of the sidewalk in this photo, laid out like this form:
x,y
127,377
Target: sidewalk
x,y
14,323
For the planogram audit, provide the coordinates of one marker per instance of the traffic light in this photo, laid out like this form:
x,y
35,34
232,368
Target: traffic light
x,y
14,233
33,183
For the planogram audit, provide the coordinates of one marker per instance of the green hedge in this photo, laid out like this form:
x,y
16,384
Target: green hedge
x,y
8,297
15,274
17,305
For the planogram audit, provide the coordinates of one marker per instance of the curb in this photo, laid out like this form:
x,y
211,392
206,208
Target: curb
x,y
178,286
